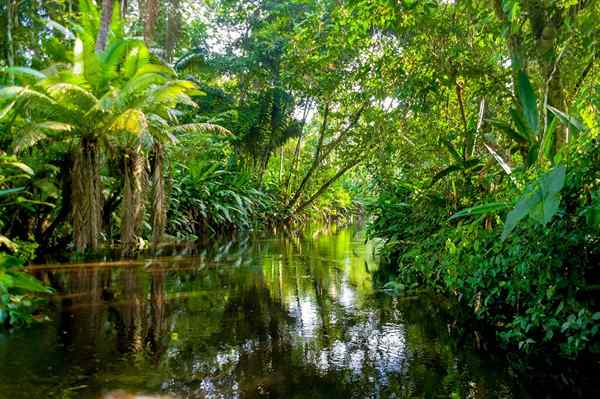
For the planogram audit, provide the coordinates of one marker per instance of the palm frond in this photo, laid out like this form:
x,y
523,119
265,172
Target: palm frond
x,y
200,128
26,74
136,58
75,95
33,133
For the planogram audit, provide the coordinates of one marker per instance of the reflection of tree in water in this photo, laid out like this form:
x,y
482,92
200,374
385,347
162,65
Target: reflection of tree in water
x,y
82,305
289,317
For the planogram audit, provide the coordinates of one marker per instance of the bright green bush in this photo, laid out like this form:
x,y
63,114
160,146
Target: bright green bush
x,y
538,288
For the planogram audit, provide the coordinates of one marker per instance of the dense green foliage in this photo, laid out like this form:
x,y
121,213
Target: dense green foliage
x,y
469,129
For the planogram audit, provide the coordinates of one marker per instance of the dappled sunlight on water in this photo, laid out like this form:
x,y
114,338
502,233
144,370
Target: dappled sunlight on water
x,y
287,317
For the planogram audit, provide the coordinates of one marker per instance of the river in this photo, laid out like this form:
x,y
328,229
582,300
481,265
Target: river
x,y
287,316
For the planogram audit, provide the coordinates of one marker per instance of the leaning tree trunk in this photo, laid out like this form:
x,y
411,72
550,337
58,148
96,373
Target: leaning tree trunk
x,y
132,209
86,195
159,200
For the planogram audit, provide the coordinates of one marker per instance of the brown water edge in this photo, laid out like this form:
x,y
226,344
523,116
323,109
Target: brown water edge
x,y
278,317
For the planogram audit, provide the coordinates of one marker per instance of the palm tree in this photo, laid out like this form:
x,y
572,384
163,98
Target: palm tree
x,y
114,99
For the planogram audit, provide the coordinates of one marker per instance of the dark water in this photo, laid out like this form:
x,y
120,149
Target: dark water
x,y
288,317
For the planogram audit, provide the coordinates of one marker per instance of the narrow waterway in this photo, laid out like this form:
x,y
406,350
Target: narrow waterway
x,y
273,317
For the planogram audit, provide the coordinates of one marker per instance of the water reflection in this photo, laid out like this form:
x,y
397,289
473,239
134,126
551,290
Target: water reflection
x,y
294,317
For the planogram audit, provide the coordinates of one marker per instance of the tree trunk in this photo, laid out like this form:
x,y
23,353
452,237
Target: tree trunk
x,y
10,16
325,186
107,10
159,200
124,7
316,160
173,26
150,16
65,210
86,195
132,207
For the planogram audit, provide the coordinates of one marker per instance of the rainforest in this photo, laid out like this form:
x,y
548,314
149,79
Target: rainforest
x,y
299,199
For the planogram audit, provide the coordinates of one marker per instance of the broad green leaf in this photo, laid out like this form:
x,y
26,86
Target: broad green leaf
x,y
528,101
547,147
520,124
540,201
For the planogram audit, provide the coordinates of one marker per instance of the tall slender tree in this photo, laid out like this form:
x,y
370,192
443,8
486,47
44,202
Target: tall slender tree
x,y
106,16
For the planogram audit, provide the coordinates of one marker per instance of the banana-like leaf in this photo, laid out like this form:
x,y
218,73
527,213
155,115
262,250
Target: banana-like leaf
x,y
547,146
528,101
131,121
540,201
33,133
27,282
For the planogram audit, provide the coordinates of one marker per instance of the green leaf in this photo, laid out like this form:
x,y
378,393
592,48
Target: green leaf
x,y
516,135
547,147
8,191
10,262
445,172
528,102
452,150
6,110
540,200
22,166
24,72
27,282
520,124
483,209
567,119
